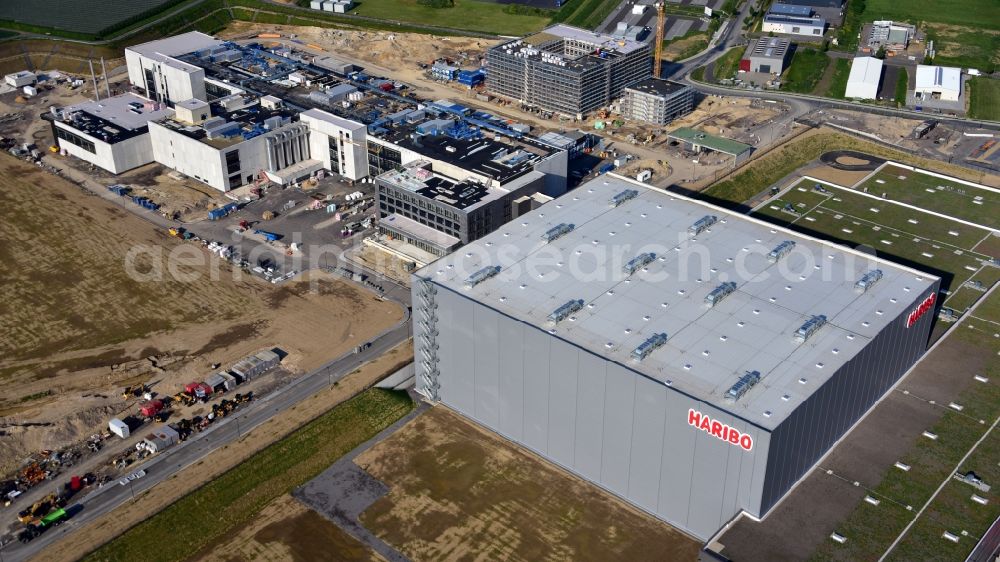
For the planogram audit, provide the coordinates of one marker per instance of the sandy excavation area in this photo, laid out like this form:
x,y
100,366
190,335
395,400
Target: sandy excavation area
x,y
76,328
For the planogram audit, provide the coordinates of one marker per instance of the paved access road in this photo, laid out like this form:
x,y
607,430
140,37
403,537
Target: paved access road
x,y
199,445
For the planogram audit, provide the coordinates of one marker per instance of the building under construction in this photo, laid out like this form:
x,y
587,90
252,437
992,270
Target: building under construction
x,y
567,70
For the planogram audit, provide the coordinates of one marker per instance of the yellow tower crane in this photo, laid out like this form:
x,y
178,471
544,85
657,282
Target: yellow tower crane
x,y
657,57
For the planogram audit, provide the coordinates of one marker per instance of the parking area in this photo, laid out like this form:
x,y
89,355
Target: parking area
x,y
290,230
683,17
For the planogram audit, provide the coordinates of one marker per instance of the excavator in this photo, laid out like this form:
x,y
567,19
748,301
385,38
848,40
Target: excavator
x,y
40,508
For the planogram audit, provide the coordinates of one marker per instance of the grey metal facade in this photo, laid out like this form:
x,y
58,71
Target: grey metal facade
x,y
824,417
617,428
629,433
465,224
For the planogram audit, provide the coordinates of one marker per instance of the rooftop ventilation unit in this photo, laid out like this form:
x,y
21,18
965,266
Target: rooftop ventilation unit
x,y
649,346
481,275
809,328
563,312
702,224
719,293
557,231
742,386
867,280
623,197
780,251
636,263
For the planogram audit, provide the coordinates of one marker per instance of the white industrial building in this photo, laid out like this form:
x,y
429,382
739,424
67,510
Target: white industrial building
x,y
153,68
863,82
337,142
112,134
938,83
787,24
694,361
20,79
234,145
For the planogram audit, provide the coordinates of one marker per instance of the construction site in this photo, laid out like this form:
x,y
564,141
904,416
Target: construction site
x,y
106,346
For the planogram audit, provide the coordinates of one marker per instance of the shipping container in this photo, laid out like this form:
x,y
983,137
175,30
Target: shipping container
x,y
151,408
118,427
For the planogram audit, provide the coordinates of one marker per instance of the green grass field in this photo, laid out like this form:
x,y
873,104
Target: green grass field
x,y
838,84
972,47
206,515
984,14
727,65
914,238
871,529
805,71
487,17
984,98
935,194
902,81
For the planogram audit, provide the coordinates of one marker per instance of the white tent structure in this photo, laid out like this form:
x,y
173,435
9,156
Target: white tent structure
x,y
866,73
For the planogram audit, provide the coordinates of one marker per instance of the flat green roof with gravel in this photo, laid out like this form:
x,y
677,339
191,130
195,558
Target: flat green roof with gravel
x,y
711,142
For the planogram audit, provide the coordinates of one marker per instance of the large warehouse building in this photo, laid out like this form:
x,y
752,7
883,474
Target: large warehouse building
x,y
693,361
567,70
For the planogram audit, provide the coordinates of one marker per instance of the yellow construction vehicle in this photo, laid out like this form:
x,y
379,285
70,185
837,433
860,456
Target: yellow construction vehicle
x,y
40,508
127,393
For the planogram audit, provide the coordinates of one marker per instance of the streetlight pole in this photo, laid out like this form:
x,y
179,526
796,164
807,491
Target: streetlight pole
x,y
131,487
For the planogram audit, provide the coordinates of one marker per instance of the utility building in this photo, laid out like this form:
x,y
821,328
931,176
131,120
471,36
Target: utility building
x,y
767,55
657,101
567,70
701,374
938,83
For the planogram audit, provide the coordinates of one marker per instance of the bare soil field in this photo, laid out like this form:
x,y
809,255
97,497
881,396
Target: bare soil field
x,y
75,326
287,530
459,492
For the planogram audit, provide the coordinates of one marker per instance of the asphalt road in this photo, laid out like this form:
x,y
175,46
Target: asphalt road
x,y
162,466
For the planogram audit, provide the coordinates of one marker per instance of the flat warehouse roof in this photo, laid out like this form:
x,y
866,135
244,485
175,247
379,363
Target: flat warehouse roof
x,y
658,87
127,110
176,45
576,287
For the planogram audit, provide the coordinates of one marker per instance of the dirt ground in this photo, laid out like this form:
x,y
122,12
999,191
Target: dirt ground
x,y
286,530
179,197
150,502
459,492
385,263
76,326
